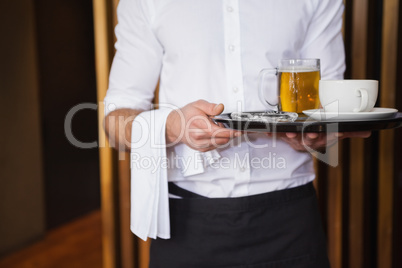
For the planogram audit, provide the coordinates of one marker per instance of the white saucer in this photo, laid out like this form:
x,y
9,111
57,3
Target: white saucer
x,y
375,113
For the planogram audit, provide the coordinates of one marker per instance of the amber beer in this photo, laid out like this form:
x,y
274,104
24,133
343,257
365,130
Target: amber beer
x,y
298,89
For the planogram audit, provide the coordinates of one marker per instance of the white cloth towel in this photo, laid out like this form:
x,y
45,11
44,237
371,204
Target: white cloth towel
x,y
149,192
149,188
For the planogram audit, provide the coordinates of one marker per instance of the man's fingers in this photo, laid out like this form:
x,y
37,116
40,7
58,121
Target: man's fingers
x,y
339,134
312,135
208,134
220,141
208,107
218,109
220,132
291,135
208,145
357,134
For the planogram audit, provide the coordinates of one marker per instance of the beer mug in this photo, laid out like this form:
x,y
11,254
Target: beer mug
x,y
297,87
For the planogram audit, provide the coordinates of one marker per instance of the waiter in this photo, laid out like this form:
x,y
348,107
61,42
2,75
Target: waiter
x,y
209,196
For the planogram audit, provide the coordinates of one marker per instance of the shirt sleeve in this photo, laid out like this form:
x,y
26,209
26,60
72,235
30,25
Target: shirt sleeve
x,y
138,59
324,39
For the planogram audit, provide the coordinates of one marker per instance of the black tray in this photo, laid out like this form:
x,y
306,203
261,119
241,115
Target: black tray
x,y
305,124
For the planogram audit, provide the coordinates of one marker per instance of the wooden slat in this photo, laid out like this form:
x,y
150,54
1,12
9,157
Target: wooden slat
x,y
334,201
126,237
143,248
356,187
356,164
385,194
359,38
128,243
387,95
102,48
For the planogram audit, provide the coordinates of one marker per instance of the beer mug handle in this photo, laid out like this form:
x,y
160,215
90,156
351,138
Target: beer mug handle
x,y
361,92
262,86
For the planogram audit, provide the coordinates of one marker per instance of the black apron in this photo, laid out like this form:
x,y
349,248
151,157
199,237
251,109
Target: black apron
x,y
276,229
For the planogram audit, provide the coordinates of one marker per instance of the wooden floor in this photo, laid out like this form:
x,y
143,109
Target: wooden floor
x,y
75,245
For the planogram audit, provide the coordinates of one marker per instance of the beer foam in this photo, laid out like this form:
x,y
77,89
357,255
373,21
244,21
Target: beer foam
x,y
298,69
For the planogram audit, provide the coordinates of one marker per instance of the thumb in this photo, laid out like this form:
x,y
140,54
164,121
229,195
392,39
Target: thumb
x,y
218,109
209,108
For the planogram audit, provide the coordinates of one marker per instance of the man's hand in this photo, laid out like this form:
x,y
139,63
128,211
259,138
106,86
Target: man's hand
x,y
317,141
192,126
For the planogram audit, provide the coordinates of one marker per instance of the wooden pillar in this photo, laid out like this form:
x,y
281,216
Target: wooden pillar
x,y
357,150
386,150
107,159
335,183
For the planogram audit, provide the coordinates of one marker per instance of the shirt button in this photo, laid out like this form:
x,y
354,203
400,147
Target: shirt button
x,y
242,169
235,89
231,48
229,9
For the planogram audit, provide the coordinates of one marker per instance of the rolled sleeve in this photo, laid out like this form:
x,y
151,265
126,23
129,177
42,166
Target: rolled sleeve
x,y
138,60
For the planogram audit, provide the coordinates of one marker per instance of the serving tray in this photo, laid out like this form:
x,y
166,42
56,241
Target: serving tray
x,y
307,124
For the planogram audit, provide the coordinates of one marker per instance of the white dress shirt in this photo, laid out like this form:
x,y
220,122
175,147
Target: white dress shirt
x,y
212,50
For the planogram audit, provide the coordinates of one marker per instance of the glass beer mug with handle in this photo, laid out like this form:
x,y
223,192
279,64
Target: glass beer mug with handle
x,y
297,87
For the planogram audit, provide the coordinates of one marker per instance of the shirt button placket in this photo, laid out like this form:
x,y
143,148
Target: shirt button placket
x,y
234,79
242,177
233,50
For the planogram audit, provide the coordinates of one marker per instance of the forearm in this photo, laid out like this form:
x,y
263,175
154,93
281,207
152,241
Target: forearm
x,y
118,125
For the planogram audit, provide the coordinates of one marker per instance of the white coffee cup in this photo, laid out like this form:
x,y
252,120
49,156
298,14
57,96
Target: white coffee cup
x,y
346,96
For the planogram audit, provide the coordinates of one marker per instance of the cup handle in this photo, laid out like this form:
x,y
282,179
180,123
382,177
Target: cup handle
x,y
361,92
263,74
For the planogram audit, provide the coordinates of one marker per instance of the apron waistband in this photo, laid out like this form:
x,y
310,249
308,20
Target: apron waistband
x,y
178,191
198,203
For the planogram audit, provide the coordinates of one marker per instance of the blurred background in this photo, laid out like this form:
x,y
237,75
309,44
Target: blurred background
x,y
47,67
63,206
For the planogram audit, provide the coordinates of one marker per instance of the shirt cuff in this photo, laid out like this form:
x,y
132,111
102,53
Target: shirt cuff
x,y
194,162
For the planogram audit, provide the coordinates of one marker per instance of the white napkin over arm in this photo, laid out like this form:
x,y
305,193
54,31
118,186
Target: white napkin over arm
x,y
149,181
149,189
